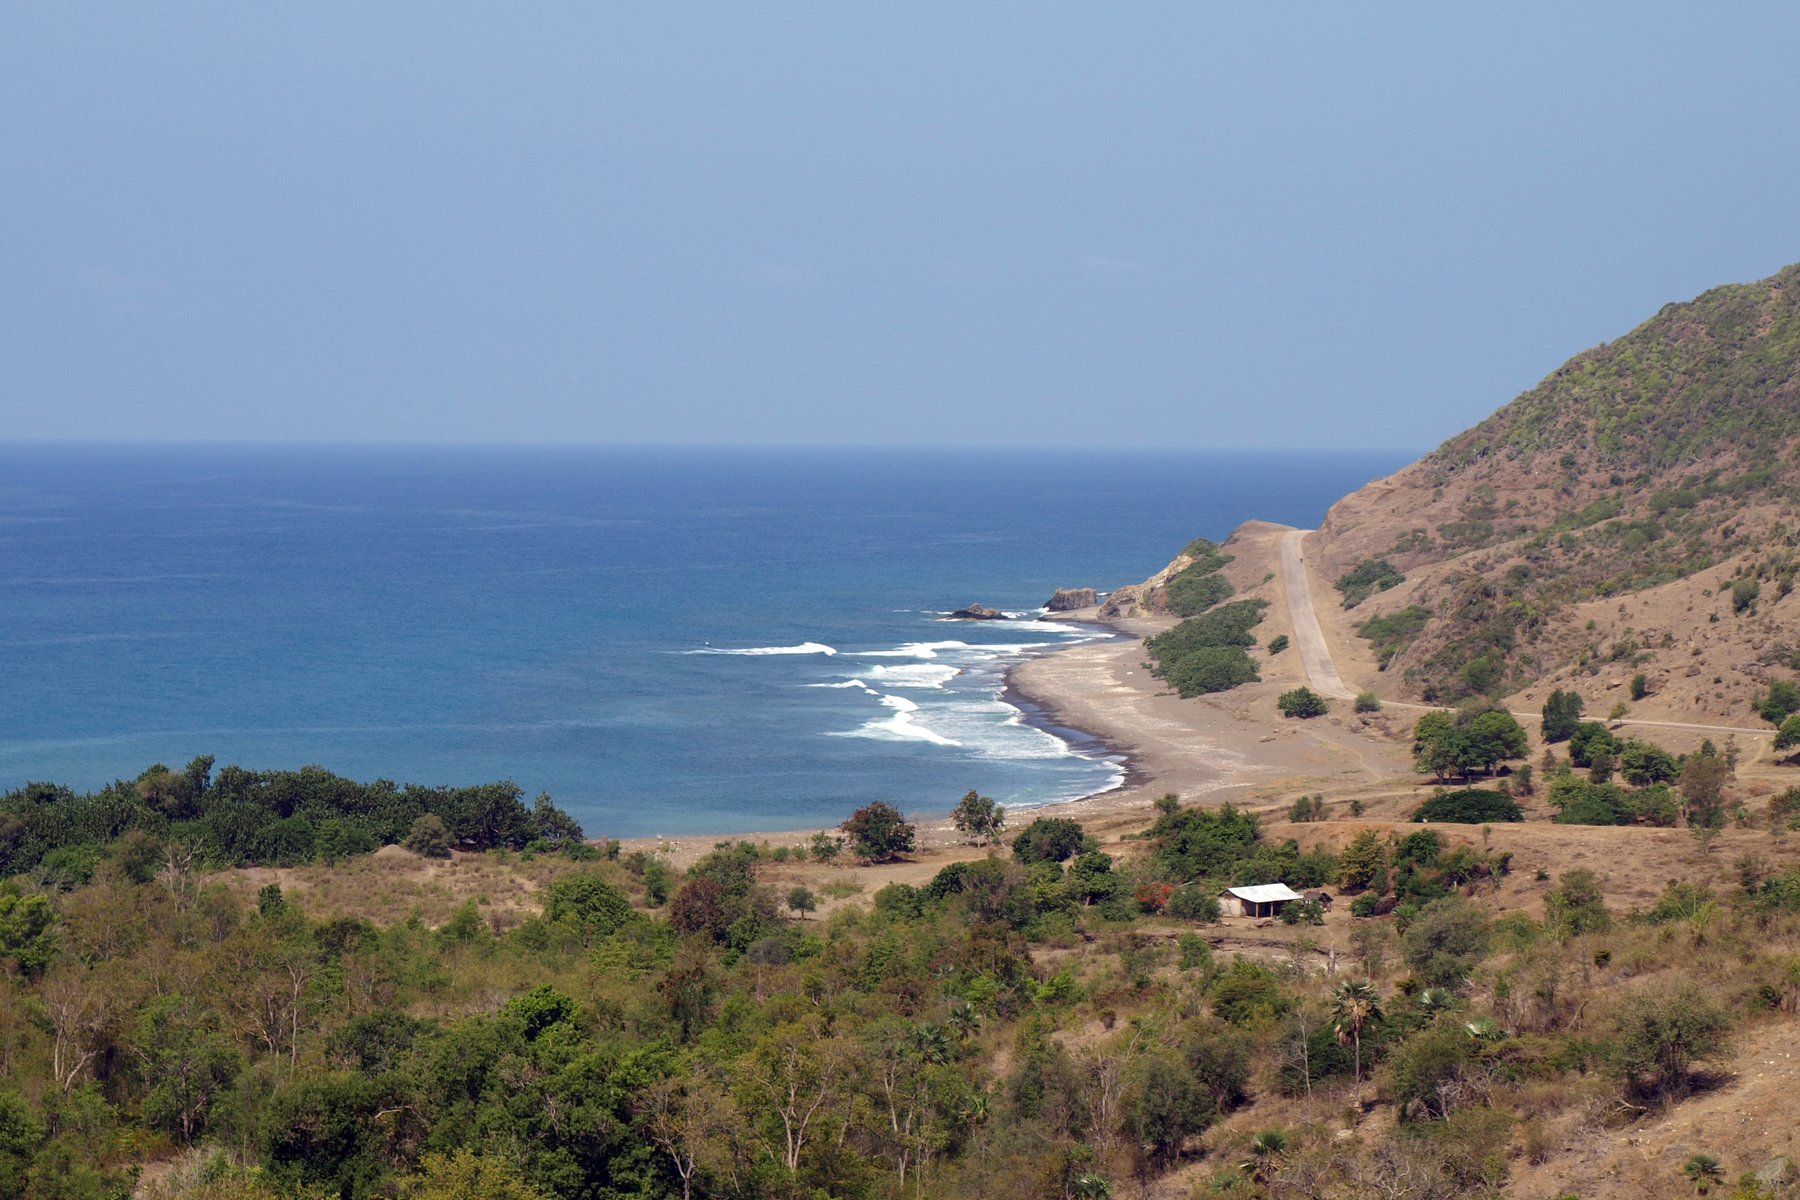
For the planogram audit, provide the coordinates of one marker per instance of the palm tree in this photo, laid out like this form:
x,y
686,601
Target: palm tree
x,y
1265,1147
1435,1000
1704,1170
1092,1187
1354,1004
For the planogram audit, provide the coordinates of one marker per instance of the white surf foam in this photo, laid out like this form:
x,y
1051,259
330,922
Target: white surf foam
x,y
1062,627
917,650
914,675
802,648
901,726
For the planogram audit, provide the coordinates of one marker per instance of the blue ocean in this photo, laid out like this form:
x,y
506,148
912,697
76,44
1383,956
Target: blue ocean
x,y
668,641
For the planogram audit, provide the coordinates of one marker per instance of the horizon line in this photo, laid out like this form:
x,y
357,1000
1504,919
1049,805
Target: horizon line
x,y
30,441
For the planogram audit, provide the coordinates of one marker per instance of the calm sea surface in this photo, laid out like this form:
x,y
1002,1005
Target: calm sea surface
x,y
667,641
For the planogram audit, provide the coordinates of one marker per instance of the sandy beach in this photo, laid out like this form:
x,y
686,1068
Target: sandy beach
x,y
1230,747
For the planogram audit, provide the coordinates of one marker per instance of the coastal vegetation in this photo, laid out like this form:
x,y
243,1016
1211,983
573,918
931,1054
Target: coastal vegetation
x,y
1050,1023
1365,579
239,818
1207,653
1198,586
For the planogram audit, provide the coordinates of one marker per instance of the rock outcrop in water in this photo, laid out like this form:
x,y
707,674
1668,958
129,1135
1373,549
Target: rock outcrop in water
x,y
1069,599
977,612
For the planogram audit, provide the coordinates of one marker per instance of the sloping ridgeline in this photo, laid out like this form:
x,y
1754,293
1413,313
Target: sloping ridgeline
x,y
1632,467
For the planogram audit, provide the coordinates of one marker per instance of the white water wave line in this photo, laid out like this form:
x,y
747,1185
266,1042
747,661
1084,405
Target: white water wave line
x,y
901,727
802,648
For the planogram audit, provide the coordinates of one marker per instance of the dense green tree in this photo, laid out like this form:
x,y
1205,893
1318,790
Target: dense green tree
x,y
802,899
1469,806
1588,737
1780,701
1445,941
1643,764
187,1064
1562,716
27,931
465,1175
878,833
1362,866
587,902
21,1132
978,818
1049,839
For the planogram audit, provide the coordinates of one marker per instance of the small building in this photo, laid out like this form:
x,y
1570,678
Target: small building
x,y
1320,897
1257,900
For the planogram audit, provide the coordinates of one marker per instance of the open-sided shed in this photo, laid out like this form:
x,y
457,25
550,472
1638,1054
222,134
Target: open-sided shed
x,y
1257,900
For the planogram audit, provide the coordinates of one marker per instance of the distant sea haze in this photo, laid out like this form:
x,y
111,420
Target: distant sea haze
x,y
669,641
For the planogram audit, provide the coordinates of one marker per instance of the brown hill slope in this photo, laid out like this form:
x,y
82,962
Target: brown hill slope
x,y
1636,512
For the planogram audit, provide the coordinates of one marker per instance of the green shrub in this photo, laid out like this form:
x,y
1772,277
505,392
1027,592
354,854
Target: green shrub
x,y
1210,669
1195,902
1278,643
1367,702
1369,576
1743,595
1782,699
1391,634
1302,702
1470,806
1193,591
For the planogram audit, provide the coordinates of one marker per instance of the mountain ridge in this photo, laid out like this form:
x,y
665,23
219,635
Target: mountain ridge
x,y
1630,522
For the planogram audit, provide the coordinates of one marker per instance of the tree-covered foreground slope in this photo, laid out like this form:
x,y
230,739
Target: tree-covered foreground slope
x,y
1056,1019
1659,472
259,818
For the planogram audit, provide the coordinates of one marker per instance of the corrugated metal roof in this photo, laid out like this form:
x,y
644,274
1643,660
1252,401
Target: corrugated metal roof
x,y
1265,893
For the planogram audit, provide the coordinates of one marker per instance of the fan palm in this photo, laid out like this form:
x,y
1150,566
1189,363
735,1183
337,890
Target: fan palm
x,y
1355,1004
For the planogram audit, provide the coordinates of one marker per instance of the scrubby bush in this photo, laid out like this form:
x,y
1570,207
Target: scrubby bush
x,y
1206,653
428,837
1367,702
1470,806
1278,643
1196,589
1211,669
1445,941
1194,903
1782,699
1302,702
1663,1033
1369,576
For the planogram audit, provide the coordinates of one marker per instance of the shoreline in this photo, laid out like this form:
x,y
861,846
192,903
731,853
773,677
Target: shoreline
x,y
1228,746
1054,694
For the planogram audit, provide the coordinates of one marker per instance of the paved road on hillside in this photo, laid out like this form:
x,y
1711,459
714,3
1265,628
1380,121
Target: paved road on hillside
x,y
1315,655
1321,669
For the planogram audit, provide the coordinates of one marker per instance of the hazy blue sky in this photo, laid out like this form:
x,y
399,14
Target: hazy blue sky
x,y
1327,224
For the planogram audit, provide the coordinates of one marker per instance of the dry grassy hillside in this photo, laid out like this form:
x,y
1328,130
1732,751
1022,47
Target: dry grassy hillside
x,y
1636,512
